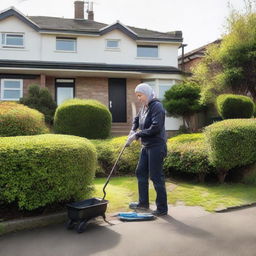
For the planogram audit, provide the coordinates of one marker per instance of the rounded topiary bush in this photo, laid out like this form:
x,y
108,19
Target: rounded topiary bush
x,y
36,171
17,119
85,118
234,106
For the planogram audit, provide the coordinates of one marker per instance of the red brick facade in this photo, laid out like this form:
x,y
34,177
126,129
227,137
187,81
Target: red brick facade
x,y
92,88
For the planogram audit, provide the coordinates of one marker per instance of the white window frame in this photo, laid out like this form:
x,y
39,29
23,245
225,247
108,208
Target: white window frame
x,y
14,89
157,83
148,45
66,39
5,45
112,48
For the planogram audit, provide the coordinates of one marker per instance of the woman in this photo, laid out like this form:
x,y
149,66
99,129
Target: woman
x,y
148,125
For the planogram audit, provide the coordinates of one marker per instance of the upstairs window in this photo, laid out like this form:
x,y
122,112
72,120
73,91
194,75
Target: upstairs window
x,y
12,40
11,89
65,44
147,51
112,44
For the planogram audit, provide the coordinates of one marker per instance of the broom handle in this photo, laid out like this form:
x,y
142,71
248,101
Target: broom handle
x,y
113,168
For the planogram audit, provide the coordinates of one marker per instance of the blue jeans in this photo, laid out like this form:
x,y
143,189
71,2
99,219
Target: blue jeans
x,y
151,165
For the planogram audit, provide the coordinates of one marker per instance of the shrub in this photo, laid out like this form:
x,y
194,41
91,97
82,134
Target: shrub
x,y
17,119
231,143
183,100
39,170
85,118
188,154
108,151
234,106
41,100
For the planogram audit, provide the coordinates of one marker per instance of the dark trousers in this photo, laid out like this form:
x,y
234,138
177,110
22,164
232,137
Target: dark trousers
x,y
151,165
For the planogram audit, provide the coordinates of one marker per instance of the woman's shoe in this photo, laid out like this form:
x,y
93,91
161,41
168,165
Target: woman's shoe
x,y
138,206
159,213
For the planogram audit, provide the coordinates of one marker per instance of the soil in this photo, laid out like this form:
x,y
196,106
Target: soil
x,y
11,211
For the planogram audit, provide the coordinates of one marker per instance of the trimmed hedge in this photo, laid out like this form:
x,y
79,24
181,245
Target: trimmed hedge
x,y
231,143
17,119
187,153
85,118
36,171
108,151
40,99
234,106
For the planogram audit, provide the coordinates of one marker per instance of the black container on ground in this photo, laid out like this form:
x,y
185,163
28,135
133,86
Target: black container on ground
x,y
79,213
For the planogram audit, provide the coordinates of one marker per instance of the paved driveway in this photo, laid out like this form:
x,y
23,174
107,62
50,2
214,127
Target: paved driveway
x,y
187,231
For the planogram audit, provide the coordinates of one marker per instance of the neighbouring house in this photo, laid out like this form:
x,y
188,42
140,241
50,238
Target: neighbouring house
x,y
191,59
186,63
86,59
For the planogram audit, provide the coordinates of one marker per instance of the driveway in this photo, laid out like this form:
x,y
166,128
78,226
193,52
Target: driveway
x,y
186,231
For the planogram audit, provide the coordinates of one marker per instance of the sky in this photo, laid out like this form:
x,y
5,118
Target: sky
x,y
201,21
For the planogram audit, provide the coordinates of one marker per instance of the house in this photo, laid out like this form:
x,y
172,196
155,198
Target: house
x,y
192,58
86,59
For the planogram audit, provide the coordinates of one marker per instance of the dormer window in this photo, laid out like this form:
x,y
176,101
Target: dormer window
x,y
112,44
12,40
66,44
147,51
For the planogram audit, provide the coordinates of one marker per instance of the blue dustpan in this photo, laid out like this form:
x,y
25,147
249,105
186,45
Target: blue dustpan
x,y
135,216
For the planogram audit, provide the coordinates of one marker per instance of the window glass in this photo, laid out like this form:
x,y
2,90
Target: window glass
x,y
12,40
112,44
11,84
147,51
11,89
162,90
11,94
64,93
66,44
15,40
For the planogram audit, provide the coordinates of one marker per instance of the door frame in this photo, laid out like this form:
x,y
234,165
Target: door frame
x,y
67,86
125,111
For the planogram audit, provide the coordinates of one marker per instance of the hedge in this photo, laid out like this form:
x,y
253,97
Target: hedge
x,y
234,106
187,153
36,171
85,118
17,119
108,151
231,143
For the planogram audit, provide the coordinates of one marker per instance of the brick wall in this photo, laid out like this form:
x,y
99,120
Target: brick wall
x,y
28,82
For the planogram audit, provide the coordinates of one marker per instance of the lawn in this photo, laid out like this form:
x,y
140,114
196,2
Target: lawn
x,y
123,190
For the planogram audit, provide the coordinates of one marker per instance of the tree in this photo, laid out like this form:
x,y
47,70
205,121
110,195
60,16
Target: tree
x,y
183,100
40,99
230,67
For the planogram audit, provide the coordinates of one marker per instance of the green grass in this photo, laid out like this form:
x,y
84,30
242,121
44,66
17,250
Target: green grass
x,y
123,190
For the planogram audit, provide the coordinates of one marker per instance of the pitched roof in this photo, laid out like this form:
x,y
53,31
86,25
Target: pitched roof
x,y
84,26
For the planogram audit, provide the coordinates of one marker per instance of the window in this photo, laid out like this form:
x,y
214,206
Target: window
x,y
148,51
160,86
11,89
112,44
164,85
12,40
66,44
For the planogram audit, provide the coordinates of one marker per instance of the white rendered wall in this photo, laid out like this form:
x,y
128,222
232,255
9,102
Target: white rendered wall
x,y
89,49
32,41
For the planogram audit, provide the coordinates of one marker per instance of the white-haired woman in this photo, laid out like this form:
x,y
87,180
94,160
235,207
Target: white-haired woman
x,y
149,126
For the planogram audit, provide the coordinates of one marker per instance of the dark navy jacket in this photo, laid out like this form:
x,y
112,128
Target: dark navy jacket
x,y
150,122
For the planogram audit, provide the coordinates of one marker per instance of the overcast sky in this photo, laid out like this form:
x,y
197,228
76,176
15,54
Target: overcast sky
x,y
201,21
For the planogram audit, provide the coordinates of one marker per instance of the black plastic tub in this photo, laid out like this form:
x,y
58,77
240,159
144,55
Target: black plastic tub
x,y
79,213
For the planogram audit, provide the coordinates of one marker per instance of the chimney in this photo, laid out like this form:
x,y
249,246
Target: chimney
x,y
90,11
79,9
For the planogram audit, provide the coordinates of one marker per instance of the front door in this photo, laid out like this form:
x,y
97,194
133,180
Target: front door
x,y
117,99
64,90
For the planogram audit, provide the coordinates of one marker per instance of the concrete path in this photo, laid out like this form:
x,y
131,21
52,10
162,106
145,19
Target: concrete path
x,y
186,231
